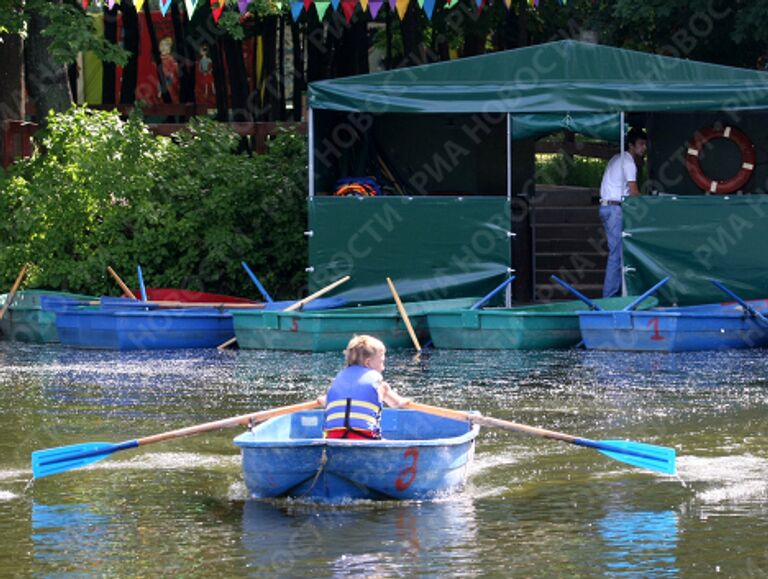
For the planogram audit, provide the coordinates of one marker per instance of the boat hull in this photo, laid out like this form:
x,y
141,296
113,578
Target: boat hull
x,y
27,321
539,327
706,327
420,457
138,328
331,330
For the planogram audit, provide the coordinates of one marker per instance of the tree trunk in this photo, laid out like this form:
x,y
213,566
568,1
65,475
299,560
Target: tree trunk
x,y
11,86
46,80
298,72
108,83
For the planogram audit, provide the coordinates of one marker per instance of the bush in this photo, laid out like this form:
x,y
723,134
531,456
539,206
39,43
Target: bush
x,y
564,170
103,191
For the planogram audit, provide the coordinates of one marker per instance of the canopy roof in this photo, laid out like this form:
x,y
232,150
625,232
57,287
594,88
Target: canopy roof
x,y
558,77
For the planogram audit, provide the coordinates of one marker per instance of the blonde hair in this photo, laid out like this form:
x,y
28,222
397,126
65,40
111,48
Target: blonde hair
x,y
362,348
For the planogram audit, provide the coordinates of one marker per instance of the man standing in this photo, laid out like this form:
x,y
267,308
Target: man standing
x,y
619,180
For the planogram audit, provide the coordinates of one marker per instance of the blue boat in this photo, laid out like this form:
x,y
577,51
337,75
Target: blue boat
x,y
681,329
421,456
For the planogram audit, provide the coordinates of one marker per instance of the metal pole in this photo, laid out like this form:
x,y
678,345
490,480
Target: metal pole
x,y
621,152
311,151
508,291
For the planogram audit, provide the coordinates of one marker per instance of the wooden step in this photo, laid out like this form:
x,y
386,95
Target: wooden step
x,y
569,231
571,276
567,215
570,261
593,245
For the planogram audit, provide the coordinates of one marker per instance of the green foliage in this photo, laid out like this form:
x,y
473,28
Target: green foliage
x,y
565,170
189,209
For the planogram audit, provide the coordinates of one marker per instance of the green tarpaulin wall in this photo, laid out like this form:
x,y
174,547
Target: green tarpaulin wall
x,y
693,239
463,253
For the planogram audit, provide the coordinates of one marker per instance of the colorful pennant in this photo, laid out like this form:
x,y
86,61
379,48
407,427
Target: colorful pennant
x,y
402,7
374,6
322,8
296,8
242,5
429,7
139,5
191,5
164,5
217,7
348,7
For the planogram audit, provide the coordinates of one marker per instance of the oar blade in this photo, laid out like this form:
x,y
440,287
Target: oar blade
x,y
55,460
649,456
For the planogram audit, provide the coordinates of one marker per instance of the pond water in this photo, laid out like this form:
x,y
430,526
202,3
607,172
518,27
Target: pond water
x,y
532,507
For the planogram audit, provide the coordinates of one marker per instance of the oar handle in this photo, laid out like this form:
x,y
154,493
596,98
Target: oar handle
x,y
125,288
227,344
492,422
577,293
257,283
721,286
243,420
631,306
317,294
495,291
12,293
404,315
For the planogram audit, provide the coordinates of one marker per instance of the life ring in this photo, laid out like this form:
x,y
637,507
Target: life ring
x,y
700,140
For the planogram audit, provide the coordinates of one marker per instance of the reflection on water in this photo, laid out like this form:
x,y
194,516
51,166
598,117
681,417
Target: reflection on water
x,y
360,539
532,507
640,544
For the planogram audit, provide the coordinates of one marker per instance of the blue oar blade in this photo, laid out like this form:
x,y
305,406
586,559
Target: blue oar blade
x,y
649,456
56,460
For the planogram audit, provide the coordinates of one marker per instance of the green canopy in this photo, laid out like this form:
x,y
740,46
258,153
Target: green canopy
x,y
557,77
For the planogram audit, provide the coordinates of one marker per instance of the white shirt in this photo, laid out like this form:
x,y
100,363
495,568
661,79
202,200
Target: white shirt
x,y
620,170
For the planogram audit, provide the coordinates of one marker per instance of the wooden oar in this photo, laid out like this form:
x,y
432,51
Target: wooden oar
x,y
404,315
64,458
12,293
125,288
752,311
299,304
649,456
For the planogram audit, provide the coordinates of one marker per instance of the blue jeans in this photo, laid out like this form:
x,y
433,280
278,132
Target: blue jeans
x,y
610,215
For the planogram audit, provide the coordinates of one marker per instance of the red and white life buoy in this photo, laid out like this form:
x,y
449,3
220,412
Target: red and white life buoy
x,y
700,140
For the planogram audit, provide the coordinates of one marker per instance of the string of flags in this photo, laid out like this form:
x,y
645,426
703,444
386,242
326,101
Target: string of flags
x,y
348,7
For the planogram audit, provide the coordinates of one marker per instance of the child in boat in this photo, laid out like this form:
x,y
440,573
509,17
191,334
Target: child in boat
x,y
354,400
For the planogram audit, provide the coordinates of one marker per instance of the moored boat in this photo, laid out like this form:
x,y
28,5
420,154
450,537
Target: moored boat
x,y
421,456
27,321
679,329
537,327
323,331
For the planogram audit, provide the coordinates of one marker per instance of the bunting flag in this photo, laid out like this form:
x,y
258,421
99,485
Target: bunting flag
x,y
296,8
190,4
348,7
322,8
217,7
374,7
164,5
402,7
479,3
111,4
242,5
429,8
139,5
335,4
363,5
451,3
307,5
393,4
508,4
85,4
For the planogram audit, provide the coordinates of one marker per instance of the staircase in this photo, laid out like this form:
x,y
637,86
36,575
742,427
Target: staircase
x,y
568,241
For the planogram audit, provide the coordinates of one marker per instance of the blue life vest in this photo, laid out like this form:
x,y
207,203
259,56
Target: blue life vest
x,y
353,401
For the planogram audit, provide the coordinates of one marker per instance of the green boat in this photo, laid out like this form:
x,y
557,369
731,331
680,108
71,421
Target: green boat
x,y
331,330
27,321
539,327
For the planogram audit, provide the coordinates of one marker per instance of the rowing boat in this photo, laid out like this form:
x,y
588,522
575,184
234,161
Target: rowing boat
x,y
421,456
27,321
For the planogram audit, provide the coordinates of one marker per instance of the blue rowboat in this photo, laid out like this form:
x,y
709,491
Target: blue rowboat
x,y
681,329
421,456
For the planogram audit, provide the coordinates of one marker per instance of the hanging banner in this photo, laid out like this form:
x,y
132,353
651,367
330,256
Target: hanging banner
x,y
322,8
191,5
374,7
217,7
402,7
348,8
296,8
